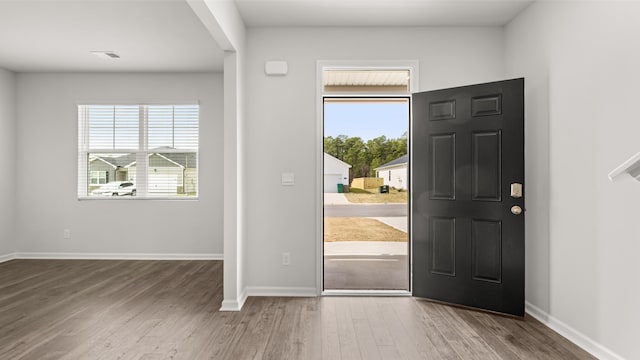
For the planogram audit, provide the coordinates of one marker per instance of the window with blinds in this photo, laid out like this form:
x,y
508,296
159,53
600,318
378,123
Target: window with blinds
x,y
141,151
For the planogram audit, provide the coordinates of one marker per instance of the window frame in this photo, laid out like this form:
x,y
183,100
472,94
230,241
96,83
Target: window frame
x,y
142,152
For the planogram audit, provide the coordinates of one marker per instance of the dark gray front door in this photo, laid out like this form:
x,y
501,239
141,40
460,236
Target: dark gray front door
x,y
468,237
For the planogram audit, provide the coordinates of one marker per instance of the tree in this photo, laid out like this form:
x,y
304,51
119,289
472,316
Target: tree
x,y
335,146
365,157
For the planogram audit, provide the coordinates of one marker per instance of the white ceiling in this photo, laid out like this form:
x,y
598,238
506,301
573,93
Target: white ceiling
x,y
149,35
166,35
379,12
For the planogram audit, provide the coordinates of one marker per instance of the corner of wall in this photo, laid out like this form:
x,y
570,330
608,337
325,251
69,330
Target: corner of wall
x,y
6,257
8,134
570,236
526,55
224,23
591,346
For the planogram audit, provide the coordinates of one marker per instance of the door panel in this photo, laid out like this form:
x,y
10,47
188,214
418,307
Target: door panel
x,y
442,110
486,105
443,241
486,247
486,150
443,166
468,147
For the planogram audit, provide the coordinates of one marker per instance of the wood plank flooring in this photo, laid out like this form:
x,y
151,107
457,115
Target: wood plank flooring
x,y
76,309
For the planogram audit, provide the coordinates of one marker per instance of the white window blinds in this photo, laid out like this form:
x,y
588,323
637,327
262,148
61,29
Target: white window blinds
x,y
173,126
142,151
113,127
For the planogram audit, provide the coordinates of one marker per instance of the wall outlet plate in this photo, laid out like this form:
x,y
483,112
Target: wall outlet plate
x,y
288,179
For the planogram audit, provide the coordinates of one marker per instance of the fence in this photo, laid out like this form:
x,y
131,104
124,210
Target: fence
x,y
367,183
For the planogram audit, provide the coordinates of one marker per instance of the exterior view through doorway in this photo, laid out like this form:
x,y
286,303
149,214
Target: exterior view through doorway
x,y
366,192
465,232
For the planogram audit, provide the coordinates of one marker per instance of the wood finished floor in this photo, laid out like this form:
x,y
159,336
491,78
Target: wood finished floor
x,y
71,309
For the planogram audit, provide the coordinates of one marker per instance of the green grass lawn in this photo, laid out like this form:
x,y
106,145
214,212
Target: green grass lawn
x,y
371,196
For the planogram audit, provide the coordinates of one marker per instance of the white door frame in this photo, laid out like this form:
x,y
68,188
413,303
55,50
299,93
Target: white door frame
x,y
413,67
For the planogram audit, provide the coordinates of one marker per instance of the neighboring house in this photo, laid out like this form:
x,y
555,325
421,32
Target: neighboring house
x,y
169,173
394,172
105,169
336,172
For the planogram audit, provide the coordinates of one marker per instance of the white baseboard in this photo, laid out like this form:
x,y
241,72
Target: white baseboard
x,y
7,257
234,305
115,256
573,335
230,305
281,291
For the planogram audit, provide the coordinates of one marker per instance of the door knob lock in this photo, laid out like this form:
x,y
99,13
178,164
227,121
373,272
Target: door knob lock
x,y
516,210
516,190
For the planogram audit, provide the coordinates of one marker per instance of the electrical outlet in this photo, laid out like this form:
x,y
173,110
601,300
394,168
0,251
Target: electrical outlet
x,y
66,234
286,258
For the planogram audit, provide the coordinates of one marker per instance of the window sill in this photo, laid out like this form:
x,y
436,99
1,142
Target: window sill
x,y
134,198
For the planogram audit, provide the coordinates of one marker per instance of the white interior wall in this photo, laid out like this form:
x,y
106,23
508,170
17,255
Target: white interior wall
x,y
281,126
526,56
581,63
7,159
46,170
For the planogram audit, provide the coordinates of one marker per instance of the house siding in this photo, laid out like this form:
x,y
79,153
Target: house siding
x,y
395,176
335,172
99,165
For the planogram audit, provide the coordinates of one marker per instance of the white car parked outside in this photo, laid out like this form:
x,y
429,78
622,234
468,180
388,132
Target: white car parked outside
x,y
116,188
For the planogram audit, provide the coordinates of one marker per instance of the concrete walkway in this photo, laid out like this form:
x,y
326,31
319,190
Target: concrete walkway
x,y
365,210
398,222
369,248
335,199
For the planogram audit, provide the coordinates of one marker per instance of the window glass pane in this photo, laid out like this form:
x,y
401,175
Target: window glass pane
x,y
160,126
186,127
126,127
168,161
172,174
113,127
112,174
174,127
100,119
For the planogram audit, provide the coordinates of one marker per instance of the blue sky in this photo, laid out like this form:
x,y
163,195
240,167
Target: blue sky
x,y
366,120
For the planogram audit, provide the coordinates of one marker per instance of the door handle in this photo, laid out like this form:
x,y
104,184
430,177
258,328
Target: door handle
x,y
516,210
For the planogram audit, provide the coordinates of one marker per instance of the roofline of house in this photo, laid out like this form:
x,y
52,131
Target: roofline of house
x,y
350,166
104,161
391,166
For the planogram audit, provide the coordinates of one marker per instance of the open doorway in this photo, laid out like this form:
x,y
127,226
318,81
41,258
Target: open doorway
x,y
366,240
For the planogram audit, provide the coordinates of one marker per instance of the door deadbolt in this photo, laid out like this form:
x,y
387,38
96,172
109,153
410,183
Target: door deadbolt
x,y
516,190
516,210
